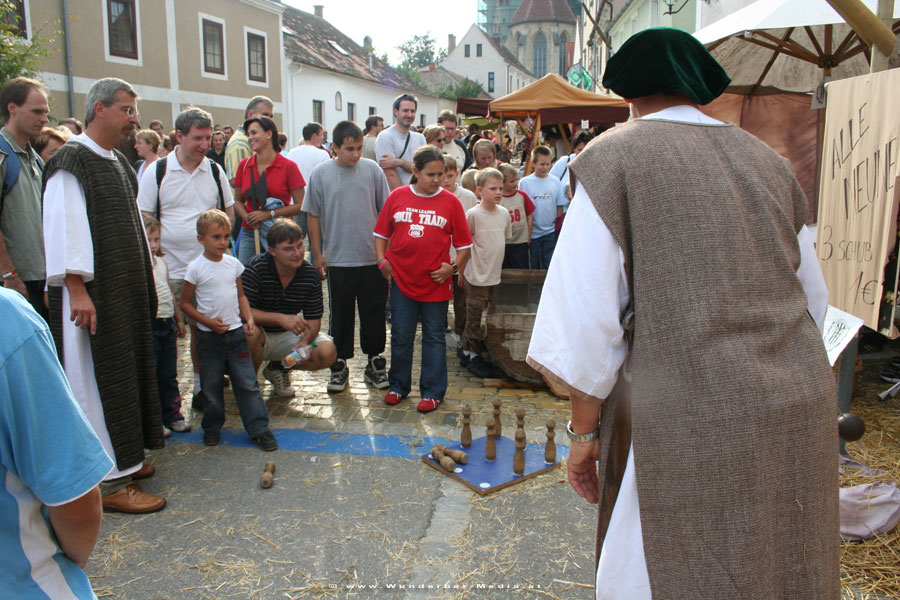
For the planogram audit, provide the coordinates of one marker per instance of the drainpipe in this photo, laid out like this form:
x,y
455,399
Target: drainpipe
x,y
70,80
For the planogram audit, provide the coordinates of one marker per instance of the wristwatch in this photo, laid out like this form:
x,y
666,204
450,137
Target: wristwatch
x,y
9,274
579,438
272,212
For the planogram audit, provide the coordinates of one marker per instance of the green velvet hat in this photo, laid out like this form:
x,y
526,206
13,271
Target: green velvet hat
x,y
668,61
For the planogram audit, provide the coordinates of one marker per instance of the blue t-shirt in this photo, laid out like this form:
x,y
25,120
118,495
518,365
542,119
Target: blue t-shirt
x,y
49,454
546,193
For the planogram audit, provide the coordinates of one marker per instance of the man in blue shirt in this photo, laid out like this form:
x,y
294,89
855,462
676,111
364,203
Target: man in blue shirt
x,y
50,464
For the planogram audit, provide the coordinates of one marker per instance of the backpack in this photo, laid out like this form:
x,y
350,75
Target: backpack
x,y
13,166
161,172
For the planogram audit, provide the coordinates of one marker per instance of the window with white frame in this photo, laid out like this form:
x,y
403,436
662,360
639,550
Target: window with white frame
x,y
213,46
256,57
121,21
338,102
351,111
318,111
14,15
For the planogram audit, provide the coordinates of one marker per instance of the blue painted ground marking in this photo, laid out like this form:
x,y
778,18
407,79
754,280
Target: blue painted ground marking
x,y
363,444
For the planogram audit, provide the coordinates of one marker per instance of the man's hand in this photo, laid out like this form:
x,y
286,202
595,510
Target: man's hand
x,y
250,327
294,323
217,325
460,280
82,310
582,469
16,284
443,273
320,264
389,162
180,328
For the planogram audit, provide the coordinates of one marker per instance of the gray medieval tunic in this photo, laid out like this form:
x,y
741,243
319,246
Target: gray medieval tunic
x,y
733,414
112,372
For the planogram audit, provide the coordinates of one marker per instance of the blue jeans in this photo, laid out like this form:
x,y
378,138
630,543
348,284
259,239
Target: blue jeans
x,y
166,370
542,251
404,314
247,245
228,353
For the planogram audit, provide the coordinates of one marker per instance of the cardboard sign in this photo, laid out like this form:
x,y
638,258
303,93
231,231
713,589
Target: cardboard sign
x,y
857,202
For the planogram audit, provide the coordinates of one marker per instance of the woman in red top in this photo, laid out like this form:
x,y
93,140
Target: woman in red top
x,y
419,220
262,179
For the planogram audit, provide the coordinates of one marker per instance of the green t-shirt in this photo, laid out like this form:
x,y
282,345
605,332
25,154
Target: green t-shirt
x,y
20,216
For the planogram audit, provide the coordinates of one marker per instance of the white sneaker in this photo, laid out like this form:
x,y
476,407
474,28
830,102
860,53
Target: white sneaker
x,y
280,380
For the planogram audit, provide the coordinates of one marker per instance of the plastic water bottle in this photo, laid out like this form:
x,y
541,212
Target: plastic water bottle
x,y
297,355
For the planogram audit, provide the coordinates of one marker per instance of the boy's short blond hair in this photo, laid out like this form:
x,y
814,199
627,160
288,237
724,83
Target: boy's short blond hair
x,y
212,218
541,151
506,170
468,180
485,145
450,163
483,175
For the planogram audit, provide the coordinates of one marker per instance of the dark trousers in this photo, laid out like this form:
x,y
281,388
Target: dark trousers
x,y
516,256
542,251
35,291
459,308
351,289
228,353
166,369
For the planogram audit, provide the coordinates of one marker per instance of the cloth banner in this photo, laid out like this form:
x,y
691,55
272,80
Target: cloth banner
x,y
857,203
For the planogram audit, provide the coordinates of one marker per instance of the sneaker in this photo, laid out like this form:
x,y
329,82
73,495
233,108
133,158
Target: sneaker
x,y
375,373
463,357
280,380
212,437
266,441
393,398
427,405
479,367
891,374
339,376
181,426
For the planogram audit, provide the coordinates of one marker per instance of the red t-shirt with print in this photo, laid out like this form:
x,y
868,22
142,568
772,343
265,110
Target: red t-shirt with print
x,y
420,229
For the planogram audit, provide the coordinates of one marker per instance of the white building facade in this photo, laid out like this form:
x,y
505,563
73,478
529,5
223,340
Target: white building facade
x,y
481,59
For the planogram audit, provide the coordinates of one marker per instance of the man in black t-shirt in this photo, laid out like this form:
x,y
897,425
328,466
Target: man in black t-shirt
x,y
280,286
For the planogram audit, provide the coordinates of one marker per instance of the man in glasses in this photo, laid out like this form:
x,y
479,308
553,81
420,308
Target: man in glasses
x,y
280,287
102,295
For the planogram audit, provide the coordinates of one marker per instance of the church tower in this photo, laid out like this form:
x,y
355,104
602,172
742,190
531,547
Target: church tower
x,y
542,36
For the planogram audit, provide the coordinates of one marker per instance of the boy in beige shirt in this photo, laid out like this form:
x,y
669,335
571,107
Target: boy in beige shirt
x,y
490,226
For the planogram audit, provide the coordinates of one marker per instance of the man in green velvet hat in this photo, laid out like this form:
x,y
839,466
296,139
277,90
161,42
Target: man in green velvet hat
x,y
677,312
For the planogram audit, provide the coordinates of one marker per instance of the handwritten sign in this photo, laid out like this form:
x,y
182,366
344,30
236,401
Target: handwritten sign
x,y
838,329
860,149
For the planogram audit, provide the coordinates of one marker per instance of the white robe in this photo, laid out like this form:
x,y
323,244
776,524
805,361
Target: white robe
x,y
595,291
69,249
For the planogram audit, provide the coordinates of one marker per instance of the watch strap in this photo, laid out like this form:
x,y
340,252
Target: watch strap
x,y
581,437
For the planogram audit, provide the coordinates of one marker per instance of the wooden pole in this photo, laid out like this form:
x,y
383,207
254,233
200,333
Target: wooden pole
x,y
886,15
866,25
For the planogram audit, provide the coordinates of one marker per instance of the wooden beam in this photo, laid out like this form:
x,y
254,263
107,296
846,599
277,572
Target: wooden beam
x,y
866,24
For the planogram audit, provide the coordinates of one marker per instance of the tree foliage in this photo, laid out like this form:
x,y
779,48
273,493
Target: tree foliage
x,y
19,57
418,51
464,89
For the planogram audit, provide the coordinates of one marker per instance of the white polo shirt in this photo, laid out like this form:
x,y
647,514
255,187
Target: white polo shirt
x,y
183,197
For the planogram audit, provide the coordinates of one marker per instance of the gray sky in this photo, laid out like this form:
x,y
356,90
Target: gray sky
x,y
384,20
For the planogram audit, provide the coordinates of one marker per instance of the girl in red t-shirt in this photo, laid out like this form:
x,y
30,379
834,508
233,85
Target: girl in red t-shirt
x,y
260,180
419,220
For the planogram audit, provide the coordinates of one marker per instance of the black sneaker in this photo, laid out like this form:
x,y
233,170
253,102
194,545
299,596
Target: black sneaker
x,y
479,367
266,441
463,357
375,373
891,374
212,437
340,372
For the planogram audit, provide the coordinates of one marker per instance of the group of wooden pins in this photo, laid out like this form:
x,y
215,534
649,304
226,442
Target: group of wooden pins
x,y
495,429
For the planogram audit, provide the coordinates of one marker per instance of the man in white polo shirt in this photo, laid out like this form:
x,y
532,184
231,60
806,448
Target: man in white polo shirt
x,y
191,184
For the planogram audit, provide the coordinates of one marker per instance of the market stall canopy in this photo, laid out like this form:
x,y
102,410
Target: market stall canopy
x,y
472,107
775,46
556,101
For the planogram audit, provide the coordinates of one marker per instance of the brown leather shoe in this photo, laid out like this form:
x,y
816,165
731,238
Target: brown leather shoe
x,y
132,500
144,472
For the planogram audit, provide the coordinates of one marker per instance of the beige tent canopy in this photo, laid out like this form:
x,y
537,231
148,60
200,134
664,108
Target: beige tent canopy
x,y
552,100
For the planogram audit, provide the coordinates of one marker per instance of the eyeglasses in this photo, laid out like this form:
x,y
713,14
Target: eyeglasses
x,y
129,110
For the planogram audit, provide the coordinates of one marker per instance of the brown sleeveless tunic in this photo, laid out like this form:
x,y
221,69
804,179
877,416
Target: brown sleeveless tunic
x,y
124,296
733,416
